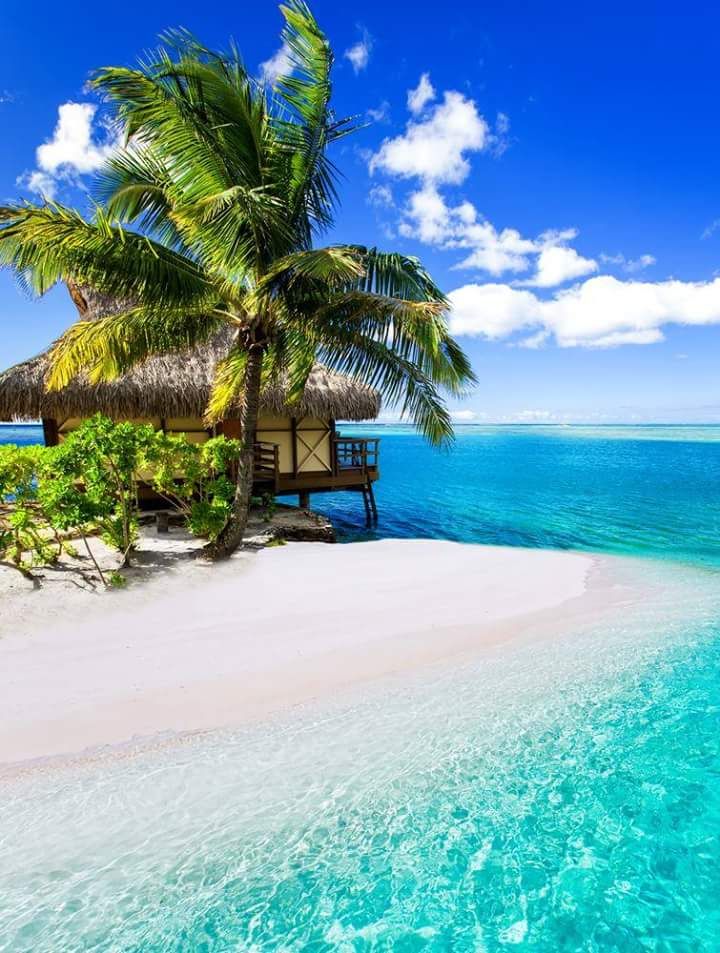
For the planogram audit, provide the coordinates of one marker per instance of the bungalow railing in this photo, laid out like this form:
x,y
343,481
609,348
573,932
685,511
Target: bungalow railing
x,y
359,454
356,453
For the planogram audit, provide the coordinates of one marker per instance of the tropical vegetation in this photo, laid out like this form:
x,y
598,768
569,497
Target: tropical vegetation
x,y
208,216
53,497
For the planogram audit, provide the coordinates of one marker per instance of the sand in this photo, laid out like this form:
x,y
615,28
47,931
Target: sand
x,y
199,647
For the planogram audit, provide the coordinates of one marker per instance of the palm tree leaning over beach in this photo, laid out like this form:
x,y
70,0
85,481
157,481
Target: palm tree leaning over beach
x,y
226,183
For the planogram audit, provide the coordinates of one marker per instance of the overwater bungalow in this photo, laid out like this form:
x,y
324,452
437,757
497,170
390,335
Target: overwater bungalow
x,y
298,449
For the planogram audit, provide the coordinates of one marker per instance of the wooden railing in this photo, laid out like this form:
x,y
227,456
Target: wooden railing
x,y
266,466
356,453
348,453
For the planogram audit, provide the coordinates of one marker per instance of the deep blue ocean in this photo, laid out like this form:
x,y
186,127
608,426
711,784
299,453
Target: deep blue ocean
x,y
560,794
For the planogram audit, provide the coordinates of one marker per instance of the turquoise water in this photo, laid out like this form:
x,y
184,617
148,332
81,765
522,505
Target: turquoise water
x,y
652,491
561,795
561,798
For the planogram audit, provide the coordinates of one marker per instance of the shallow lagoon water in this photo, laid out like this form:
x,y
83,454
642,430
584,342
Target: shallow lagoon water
x,y
558,794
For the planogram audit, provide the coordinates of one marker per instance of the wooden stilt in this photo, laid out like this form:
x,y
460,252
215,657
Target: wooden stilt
x,y
368,513
371,500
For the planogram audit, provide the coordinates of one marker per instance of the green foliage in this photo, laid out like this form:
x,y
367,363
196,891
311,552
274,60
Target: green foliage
x,y
195,479
88,484
26,537
92,479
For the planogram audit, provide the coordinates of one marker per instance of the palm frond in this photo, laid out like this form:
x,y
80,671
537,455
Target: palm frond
x,y
106,348
308,276
307,93
49,243
399,380
227,386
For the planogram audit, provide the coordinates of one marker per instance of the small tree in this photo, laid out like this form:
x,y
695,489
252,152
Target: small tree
x,y
91,478
25,536
195,479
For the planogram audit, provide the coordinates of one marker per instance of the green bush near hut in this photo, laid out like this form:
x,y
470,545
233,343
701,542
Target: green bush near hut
x,y
88,485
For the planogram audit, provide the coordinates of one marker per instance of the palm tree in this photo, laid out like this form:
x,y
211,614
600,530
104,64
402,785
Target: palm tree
x,y
225,184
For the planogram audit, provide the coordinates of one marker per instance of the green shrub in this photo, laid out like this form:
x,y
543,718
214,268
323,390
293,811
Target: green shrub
x,y
88,484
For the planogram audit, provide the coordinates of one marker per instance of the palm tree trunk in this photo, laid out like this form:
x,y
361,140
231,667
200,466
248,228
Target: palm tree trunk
x,y
232,534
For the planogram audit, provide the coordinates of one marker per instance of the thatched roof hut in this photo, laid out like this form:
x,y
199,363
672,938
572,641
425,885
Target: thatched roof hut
x,y
174,385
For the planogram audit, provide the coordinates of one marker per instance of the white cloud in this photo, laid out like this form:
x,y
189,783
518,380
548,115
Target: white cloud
x,y
492,310
464,416
500,136
359,53
279,64
428,218
711,229
73,145
531,416
45,185
381,114
557,264
638,264
381,196
424,93
75,149
435,150
600,312
630,265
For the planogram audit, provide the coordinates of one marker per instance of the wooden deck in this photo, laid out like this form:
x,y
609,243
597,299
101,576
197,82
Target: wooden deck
x,y
354,465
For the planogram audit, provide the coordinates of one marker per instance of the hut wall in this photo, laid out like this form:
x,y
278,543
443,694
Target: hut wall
x,y
304,443
192,428
277,430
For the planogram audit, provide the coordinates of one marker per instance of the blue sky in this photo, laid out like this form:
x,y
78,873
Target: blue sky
x,y
556,169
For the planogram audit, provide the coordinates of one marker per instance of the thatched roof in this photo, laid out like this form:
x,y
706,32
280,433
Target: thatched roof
x,y
174,385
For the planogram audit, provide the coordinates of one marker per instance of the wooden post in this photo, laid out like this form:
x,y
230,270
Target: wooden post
x,y
50,431
163,521
304,500
333,447
293,439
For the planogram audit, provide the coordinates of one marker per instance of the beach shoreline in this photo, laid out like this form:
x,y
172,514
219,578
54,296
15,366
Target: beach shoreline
x,y
214,647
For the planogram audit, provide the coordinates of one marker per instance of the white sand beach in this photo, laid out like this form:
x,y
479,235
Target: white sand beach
x,y
201,647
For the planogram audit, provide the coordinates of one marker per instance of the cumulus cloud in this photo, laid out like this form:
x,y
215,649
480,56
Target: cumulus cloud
x,y
435,149
465,416
428,218
381,196
500,136
359,53
279,64
76,148
381,113
602,311
424,93
630,265
557,264
45,185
